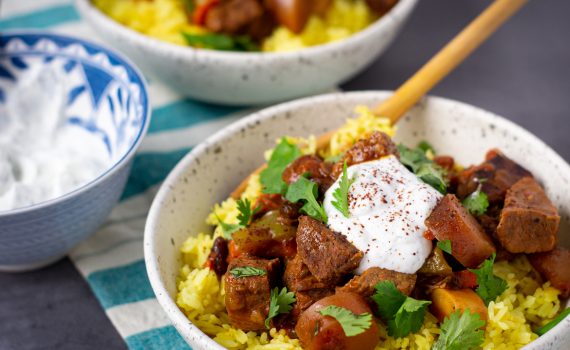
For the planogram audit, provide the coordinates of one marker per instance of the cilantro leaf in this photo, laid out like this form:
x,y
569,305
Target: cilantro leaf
x,y
460,332
307,191
281,157
542,330
351,323
220,42
228,229
246,212
490,286
477,202
404,315
341,193
445,245
409,318
280,303
426,147
247,271
388,299
424,168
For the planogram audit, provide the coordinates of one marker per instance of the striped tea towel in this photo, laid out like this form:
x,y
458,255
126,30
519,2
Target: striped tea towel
x,y
112,259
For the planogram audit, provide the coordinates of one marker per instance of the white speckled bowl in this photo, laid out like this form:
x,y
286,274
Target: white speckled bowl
x,y
251,78
212,170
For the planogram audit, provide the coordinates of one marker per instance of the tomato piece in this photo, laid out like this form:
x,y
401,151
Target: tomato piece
x,y
465,279
199,15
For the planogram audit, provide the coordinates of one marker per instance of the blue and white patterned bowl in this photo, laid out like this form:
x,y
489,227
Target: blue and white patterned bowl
x,y
108,97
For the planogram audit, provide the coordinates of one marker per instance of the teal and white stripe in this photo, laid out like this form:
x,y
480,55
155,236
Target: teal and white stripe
x,y
112,259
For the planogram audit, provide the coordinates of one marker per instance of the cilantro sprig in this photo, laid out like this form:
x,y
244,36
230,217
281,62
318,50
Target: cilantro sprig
x,y
247,271
246,213
281,157
341,193
445,245
280,303
427,170
352,324
477,202
403,314
307,192
489,285
461,331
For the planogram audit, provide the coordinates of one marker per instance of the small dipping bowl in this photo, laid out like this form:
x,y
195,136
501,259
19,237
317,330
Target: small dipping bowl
x,y
104,94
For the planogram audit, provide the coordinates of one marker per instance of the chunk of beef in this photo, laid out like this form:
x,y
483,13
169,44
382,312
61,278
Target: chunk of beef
x,y
554,266
218,259
267,237
247,298
240,17
374,147
297,276
470,245
318,170
446,162
380,7
328,255
529,221
288,212
499,172
365,283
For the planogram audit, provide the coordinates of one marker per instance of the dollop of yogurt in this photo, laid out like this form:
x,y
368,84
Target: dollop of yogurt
x,y
388,207
42,156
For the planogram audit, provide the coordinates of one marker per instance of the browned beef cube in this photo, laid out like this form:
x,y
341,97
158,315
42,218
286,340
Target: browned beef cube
x,y
499,174
529,221
247,298
470,245
328,255
297,276
318,170
365,283
376,146
555,267
233,16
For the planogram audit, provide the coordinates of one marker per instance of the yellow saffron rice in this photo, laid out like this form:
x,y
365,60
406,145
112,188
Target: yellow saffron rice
x,y
526,304
166,19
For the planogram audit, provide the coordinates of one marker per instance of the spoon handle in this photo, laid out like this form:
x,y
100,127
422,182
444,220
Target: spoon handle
x,y
448,58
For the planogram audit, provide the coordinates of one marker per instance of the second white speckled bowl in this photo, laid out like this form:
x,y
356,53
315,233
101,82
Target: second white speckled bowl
x,y
212,170
251,78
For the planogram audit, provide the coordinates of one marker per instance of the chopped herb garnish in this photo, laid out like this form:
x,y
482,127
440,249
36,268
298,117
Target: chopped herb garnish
x,y
228,229
307,191
542,330
426,147
427,170
477,202
461,331
341,193
247,271
352,324
246,212
489,285
404,315
281,157
445,245
220,42
280,303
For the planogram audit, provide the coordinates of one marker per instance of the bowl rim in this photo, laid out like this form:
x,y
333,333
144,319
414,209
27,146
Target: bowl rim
x,y
402,9
128,155
150,235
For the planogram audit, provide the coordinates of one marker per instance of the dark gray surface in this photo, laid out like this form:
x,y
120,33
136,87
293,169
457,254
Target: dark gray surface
x,y
522,73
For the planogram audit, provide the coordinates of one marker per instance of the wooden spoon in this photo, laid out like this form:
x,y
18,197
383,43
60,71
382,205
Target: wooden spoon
x,y
445,61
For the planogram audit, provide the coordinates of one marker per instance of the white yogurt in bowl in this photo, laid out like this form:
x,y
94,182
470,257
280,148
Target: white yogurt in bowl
x,y
44,154
388,206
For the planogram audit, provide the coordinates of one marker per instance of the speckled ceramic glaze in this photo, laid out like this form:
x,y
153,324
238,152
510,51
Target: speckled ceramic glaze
x,y
212,170
251,78
106,96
